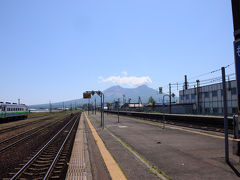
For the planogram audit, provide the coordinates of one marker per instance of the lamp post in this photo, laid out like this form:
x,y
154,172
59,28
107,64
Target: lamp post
x,y
88,94
118,108
170,96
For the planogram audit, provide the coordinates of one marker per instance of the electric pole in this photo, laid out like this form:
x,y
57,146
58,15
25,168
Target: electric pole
x,y
170,99
198,96
95,106
185,83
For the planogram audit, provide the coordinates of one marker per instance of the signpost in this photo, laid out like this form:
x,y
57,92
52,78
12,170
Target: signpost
x,y
89,94
236,26
86,95
237,65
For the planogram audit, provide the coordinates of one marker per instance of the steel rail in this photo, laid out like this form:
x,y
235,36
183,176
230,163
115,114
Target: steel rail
x,y
60,150
41,150
24,138
24,125
25,132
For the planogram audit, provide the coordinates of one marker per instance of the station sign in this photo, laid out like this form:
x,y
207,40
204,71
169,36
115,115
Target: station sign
x,y
86,95
237,66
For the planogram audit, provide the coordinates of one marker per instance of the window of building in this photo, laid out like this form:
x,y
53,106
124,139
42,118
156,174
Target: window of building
x,y
234,91
193,96
215,110
207,110
182,97
214,93
206,94
234,110
187,97
221,92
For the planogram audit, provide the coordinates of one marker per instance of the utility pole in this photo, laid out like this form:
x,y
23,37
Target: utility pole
x,y
198,96
170,99
118,108
236,27
88,105
103,110
123,98
185,83
225,115
95,106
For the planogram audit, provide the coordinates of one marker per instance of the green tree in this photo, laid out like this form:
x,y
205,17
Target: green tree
x,y
152,101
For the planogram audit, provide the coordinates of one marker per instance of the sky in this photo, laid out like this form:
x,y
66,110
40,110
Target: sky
x,y
55,50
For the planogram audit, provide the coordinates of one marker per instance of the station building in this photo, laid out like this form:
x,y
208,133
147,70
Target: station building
x,y
209,99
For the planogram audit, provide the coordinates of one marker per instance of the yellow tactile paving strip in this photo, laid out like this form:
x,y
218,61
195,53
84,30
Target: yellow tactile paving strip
x,y
113,168
77,169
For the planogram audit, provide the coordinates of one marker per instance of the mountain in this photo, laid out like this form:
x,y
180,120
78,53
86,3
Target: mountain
x,y
112,94
115,92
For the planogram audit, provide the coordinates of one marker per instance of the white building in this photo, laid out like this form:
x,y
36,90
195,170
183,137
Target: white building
x,y
209,99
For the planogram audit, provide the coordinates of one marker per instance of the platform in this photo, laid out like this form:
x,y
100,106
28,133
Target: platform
x,y
175,152
79,165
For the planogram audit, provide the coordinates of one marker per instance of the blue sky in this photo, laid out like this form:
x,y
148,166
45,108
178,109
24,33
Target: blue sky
x,y
54,50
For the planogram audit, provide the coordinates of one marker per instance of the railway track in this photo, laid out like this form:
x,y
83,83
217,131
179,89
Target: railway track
x,y
209,123
50,160
14,140
23,125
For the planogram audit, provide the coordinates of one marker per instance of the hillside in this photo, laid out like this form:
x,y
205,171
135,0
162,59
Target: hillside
x,y
112,94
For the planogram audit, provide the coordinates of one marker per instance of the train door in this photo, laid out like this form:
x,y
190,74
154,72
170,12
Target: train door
x,y
3,111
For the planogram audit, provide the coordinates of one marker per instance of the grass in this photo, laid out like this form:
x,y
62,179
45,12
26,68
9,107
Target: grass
x,y
40,114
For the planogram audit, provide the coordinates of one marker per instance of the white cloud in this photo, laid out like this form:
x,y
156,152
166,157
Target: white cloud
x,y
124,73
127,80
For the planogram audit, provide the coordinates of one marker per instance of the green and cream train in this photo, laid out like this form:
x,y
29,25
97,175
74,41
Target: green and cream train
x,y
13,110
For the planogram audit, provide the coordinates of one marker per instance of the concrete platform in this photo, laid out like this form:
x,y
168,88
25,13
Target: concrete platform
x,y
90,158
179,153
79,165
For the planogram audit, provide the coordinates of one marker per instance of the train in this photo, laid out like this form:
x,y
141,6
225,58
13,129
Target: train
x,y
13,111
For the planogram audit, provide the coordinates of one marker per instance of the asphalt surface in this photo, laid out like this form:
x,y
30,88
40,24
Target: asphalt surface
x,y
177,153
